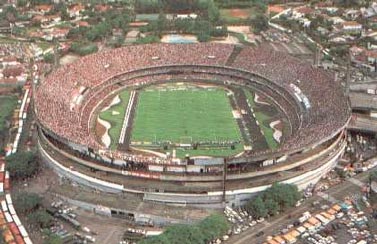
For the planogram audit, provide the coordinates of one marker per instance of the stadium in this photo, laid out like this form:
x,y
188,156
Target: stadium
x,y
191,124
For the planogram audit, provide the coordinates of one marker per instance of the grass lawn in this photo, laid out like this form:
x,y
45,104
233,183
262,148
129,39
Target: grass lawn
x,y
185,116
7,106
264,121
116,120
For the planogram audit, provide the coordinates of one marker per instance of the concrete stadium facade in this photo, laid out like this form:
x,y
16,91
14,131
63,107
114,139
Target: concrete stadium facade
x,y
311,150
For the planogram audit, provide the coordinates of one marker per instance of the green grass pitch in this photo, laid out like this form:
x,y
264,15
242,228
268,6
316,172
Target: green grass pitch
x,y
184,116
263,120
116,120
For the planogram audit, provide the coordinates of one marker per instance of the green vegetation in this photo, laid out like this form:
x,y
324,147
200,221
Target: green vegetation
x,y
241,37
204,26
268,132
263,121
259,23
259,4
48,58
278,198
373,175
208,229
115,116
102,24
40,218
83,48
30,205
26,202
22,165
116,41
51,238
185,116
7,106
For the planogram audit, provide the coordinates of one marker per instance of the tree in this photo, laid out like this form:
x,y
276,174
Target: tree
x,y
339,51
77,32
203,37
213,226
373,175
40,218
213,12
51,238
83,48
257,207
203,30
26,202
98,31
259,23
286,195
160,239
48,58
278,197
208,229
184,234
21,3
22,165
271,206
160,24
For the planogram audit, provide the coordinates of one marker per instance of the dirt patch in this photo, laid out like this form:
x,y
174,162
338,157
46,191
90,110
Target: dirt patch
x,y
239,13
69,58
279,126
263,99
100,131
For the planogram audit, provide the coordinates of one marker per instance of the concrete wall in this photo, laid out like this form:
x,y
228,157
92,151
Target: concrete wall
x,y
211,200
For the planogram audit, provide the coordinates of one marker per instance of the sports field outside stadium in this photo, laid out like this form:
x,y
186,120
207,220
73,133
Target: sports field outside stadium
x,y
186,115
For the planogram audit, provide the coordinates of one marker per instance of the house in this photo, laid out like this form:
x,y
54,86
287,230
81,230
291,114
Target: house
x,y
132,35
51,18
370,11
352,14
331,10
102,7
42,9
5,26
75,10
371,56
56,34
9,60
82,24
336,20
324,4
305,22
301,12
352,27
322,30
